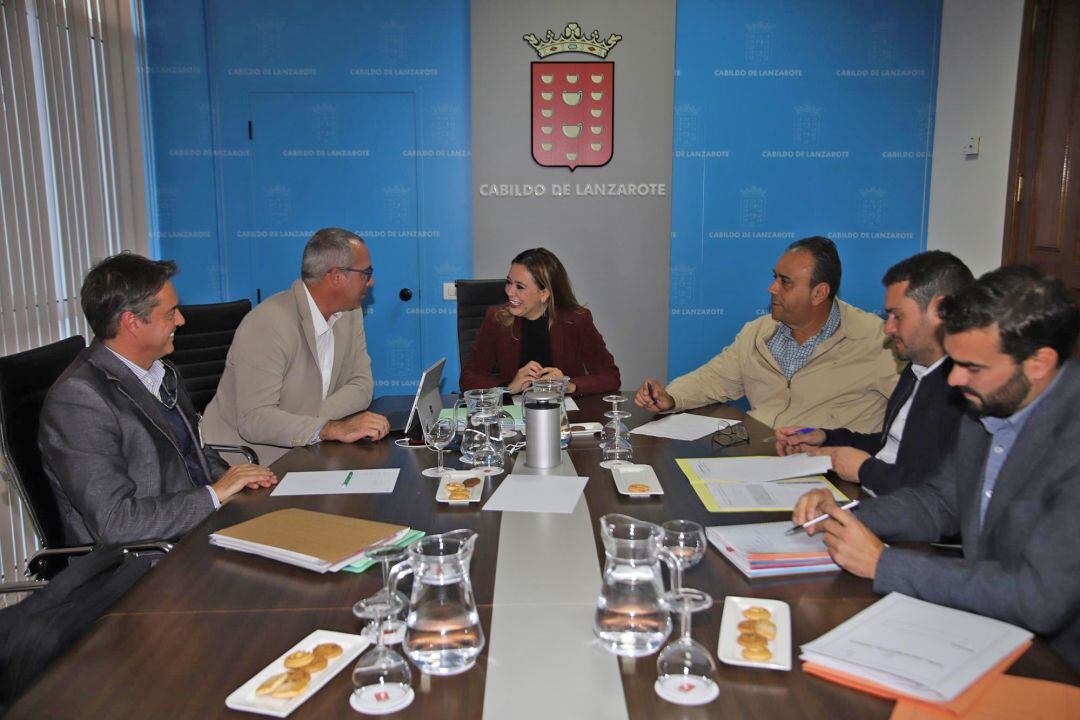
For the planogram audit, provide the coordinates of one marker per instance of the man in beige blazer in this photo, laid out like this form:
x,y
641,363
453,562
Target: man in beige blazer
x,y
813,361
298,371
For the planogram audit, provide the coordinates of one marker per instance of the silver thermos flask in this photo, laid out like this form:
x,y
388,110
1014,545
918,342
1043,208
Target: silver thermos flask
x,y
542,416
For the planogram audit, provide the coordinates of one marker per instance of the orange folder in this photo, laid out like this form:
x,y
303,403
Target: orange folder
x,y
1008,698
957,707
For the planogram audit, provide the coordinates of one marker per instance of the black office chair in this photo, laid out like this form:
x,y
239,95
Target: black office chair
x,y
25,378
474,297
201,344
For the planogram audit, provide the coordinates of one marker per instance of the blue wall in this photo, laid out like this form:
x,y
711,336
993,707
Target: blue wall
x,y
794,118
395,74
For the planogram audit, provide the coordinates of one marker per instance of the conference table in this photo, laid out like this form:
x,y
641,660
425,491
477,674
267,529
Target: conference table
x,y
205,620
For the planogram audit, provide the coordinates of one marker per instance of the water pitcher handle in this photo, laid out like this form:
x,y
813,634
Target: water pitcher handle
x,y
674,570
397,572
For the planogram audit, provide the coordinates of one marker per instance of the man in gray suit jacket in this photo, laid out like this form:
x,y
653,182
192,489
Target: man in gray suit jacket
x,y
118,436
298,370
1011,486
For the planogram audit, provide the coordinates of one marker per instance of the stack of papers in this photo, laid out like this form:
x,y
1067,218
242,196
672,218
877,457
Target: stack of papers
x,y
764,549
312,540
903,647
756,484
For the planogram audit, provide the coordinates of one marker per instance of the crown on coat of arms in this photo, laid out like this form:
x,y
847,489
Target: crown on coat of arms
x,y
572,40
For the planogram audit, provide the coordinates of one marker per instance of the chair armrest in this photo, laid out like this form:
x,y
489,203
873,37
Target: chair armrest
x,y
148,547
47,561
23,586
249,453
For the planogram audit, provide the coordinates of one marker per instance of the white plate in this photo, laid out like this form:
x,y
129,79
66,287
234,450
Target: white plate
x,y
627,475
244,698
730,652
475,492
584,429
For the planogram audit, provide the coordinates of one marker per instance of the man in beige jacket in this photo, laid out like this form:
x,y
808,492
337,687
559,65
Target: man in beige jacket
x,y
298,370
815,361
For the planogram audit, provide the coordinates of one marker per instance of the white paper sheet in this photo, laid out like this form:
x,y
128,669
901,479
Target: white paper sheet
x,y
683,426
329,482
763,496
537,493
761,469
924,649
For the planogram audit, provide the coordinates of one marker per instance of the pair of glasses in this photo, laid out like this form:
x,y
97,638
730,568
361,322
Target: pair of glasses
x,y
366,272
731,435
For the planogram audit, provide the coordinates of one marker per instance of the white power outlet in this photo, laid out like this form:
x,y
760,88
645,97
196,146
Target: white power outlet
x,y
449,291
971,145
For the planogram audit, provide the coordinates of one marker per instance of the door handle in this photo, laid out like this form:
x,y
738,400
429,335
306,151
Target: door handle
x,y
405,294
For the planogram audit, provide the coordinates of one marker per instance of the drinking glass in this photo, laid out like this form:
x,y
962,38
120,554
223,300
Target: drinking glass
x,y
615,438
684,668
383,607
438,435
488,455
685,539
382,680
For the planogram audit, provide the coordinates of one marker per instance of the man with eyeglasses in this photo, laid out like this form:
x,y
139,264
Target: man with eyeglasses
x,y
298,371
119,438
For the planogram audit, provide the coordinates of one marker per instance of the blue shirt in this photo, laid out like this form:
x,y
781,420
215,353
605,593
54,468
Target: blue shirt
x,y
789,354
1003,434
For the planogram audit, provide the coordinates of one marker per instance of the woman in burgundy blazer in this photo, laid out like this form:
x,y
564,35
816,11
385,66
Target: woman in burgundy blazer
x,y
541,332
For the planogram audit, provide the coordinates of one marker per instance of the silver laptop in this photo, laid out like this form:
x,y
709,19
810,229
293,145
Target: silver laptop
x,y
425,406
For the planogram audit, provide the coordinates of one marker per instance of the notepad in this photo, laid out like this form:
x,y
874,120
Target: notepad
x,y
313,540
337,482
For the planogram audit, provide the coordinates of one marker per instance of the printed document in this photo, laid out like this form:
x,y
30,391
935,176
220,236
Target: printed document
x,y
760,469
683,426
919,648
759,497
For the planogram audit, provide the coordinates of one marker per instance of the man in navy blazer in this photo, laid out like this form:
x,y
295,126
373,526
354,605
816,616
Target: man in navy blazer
x,y
923,413
1011,486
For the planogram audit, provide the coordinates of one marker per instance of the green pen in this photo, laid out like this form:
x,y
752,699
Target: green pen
x,y
347,479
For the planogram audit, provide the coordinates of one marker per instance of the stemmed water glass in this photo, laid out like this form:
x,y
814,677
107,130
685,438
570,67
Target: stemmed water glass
x,y
438,435
685,667
489,454
615,442
686,541
382,680
384,606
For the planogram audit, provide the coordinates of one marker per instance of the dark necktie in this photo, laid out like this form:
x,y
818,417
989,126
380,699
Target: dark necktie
x,y
167,394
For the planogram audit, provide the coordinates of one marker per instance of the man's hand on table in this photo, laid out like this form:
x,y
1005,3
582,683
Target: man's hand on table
x,y
850,543
365,425
652,396
237,477
846,461
791,439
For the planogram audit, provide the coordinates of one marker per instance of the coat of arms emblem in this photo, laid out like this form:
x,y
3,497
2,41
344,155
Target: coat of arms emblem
x,y
572,102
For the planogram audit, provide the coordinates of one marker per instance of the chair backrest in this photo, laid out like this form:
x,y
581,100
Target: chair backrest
x,y
201,344
25,378
474,297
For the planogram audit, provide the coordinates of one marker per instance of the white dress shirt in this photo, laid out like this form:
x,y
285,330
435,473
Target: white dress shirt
x,y
896,430
324,340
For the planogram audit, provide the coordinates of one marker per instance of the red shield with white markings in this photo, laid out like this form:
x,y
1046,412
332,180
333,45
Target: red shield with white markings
x,y
572,118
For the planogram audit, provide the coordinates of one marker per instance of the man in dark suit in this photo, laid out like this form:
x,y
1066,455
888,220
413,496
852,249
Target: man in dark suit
x,y
119,438
1011,486
923,414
